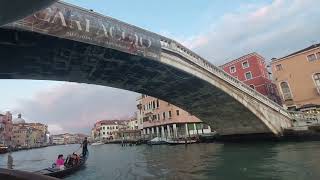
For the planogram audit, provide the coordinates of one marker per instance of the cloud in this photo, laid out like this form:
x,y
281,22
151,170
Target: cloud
x,y
273,30
55,129
72,107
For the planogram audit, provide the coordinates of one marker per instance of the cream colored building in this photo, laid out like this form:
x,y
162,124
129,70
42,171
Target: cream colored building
x,y
28,134
297,77
162,119
133,123
21,135
108,129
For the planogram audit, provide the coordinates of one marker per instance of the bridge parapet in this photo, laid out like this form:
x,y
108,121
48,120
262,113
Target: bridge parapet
x,y
300,116
194,58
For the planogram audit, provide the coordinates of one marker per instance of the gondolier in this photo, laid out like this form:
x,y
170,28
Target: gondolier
x,y
84,147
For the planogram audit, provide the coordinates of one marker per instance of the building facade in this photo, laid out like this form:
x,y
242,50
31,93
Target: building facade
x,y
42,130
133,123
251,69
162,119
297,77
6,127
68,138
57,139
108,129
139,114
28,134
21,135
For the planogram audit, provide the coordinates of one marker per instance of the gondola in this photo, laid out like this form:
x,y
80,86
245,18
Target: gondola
x,y
54,172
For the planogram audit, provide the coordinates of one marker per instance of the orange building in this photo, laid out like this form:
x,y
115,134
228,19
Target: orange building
x,y
297,77
162,119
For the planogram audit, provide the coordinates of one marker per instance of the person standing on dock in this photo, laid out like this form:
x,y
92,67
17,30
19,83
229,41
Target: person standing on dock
x,y
84,147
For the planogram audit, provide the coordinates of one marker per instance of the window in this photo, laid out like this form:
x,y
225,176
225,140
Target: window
x,y
178,113
318,55
311,57
232,69
116,127
170,115
248,75
154,104
316,78
245,64
103,133
107,127
252,86
157,103
164,115
285,91
158,116
279,67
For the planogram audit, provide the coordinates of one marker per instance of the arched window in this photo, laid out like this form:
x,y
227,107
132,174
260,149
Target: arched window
x,y
316,78
285,91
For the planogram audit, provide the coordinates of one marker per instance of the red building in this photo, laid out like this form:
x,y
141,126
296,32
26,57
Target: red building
x,y
251,69
6,129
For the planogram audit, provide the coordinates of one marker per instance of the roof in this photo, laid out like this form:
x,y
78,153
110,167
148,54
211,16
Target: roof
x,y
300,51
37,124
242,58
111,122
309,106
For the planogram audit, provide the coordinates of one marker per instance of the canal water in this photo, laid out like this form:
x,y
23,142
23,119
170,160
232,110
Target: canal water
x,y
234,161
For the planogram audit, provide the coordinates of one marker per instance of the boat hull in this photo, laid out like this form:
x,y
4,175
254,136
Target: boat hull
x,y
53,172
181,142
3,150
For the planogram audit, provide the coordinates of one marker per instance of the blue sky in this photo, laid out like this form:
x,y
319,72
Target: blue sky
x,y
179,17
218,30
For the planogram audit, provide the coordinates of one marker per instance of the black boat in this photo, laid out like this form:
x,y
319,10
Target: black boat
x,y
54,172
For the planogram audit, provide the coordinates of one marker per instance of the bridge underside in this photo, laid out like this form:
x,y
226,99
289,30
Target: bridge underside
x,y
12,10
26,55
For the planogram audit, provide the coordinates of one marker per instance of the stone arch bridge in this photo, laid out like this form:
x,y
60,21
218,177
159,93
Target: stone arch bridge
x,y
67,43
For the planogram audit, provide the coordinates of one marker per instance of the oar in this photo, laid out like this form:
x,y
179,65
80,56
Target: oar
x,y
77,150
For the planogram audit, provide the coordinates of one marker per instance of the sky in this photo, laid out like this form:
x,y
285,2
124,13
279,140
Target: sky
x,y
218,30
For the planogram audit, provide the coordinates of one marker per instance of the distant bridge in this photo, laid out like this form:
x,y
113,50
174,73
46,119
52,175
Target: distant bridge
x,y
67,43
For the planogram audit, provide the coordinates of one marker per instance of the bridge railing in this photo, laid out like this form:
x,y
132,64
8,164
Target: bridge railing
x,y
302,116
175,47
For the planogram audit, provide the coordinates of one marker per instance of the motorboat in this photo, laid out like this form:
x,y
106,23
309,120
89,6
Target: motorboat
x,y
180,141
97,143
3,149
157,141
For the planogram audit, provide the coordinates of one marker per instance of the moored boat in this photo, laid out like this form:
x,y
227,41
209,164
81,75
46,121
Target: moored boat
x,y
180,141
3,149
96,143
157,141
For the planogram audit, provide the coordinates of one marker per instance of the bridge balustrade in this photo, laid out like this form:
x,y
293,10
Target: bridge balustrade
x,y
178,48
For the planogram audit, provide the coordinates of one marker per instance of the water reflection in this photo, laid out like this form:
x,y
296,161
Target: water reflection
x,y
198,161
179,162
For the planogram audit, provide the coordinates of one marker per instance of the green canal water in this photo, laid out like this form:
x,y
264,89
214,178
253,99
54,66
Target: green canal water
x,y
300,160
